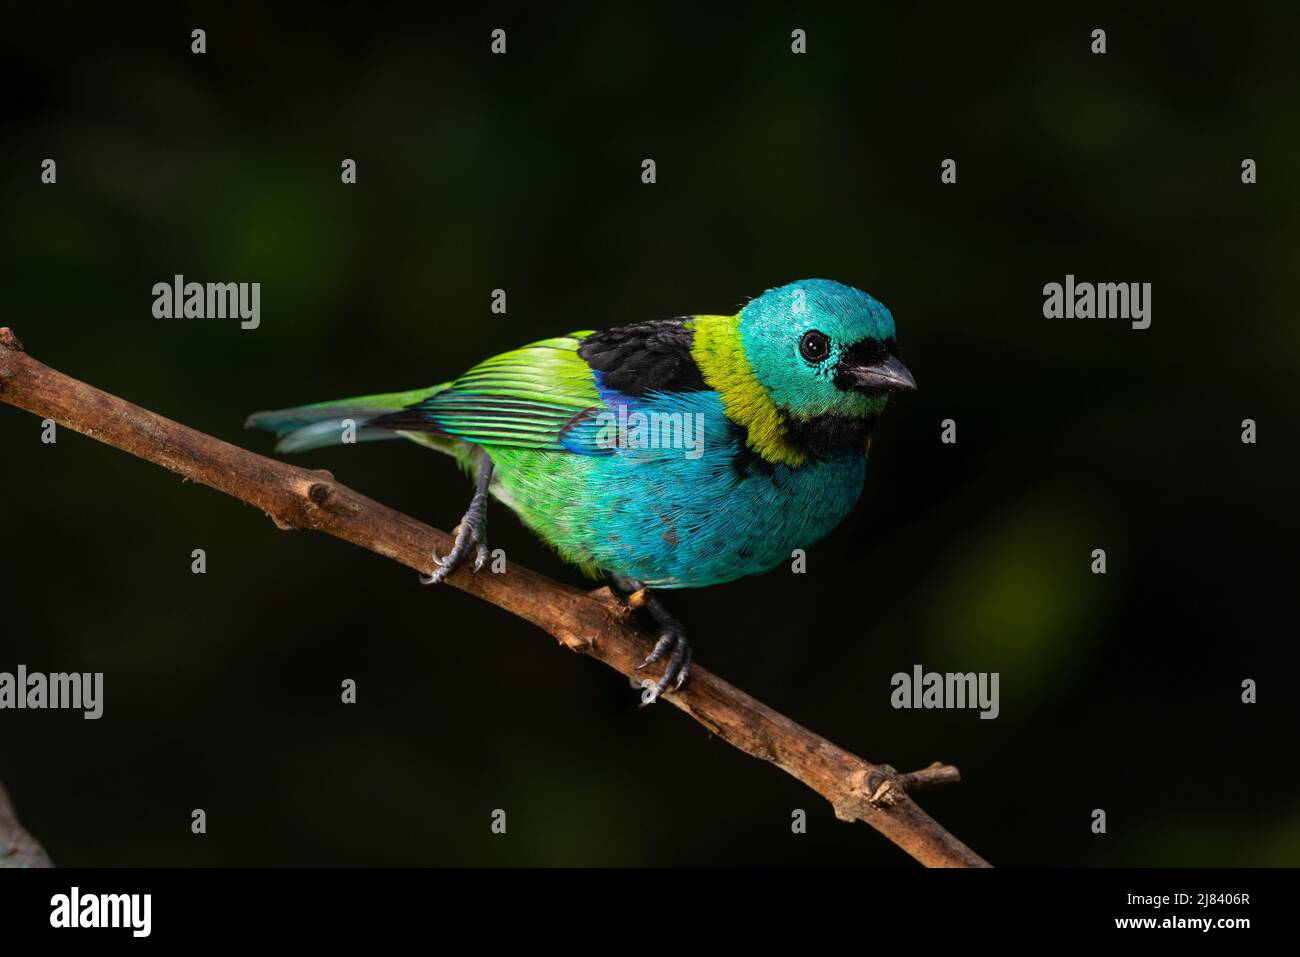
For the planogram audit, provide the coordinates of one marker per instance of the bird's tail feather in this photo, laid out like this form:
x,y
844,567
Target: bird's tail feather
x,y
334,423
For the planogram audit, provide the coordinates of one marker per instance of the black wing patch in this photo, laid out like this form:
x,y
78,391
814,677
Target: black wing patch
x,y
644,357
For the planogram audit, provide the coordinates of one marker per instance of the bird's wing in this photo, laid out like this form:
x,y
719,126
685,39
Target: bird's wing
x,y
559,394
535,397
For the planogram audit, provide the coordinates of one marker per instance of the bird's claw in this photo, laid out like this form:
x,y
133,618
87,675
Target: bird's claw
x,y
673,644
470,536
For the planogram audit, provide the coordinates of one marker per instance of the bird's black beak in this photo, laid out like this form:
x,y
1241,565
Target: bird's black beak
x,y
876,378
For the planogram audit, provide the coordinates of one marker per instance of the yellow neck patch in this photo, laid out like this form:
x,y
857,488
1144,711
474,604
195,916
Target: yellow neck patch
x,y
718,352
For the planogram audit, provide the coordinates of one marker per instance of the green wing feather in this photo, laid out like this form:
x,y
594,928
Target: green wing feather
x,y
531,398
525,398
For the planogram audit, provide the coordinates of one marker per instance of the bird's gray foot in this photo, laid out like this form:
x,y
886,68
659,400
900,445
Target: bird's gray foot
x,y
672,643
470,534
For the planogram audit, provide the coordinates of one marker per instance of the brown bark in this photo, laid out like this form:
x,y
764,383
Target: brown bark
x,y
593,623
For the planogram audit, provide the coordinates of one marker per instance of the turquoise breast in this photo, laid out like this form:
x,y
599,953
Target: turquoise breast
x,y
701,511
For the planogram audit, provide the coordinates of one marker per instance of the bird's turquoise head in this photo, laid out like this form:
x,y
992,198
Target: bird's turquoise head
x,y
821,348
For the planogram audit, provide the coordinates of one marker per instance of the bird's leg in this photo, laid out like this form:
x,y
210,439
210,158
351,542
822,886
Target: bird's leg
x,y
672,637
471,533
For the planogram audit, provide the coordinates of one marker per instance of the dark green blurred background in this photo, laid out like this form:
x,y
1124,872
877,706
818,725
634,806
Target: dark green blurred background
x,y
522,172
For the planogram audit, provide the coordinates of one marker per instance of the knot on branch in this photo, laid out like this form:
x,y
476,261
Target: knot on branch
x,y
874,786
582,644
10,341
314,496
879,785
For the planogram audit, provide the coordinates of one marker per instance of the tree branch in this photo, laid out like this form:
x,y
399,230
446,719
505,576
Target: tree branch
x,y
593,623
17,847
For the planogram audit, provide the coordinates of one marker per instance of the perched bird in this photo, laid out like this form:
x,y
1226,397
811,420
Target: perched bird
x,y
676,453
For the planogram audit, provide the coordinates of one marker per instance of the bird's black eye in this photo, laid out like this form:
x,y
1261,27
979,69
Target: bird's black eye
x,y
815,346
